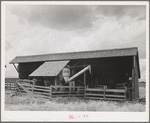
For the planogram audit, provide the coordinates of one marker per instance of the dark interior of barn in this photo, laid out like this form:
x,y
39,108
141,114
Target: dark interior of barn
x,y
110,72
105,71
25,69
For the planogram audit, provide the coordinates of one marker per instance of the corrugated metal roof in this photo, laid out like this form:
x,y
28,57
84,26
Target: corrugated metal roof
x,y
76,55
49,68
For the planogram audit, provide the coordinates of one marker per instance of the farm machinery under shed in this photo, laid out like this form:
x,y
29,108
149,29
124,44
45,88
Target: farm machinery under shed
x,y
105,74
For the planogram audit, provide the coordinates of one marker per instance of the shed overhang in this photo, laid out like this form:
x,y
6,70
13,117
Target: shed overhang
x,y
49,69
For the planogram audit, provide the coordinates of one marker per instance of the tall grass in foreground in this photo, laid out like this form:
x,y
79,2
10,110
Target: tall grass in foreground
x,y
18,103
142,92
70,104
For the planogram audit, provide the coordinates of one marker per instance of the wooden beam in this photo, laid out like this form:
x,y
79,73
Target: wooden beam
x,y
75,64
81,82
78,66
16,68
91,84
125,94
106,90
108,95
27,91
93,94
133,79
84,83
55,81
136,82
93,89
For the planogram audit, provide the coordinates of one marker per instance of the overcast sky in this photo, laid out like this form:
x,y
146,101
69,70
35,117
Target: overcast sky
x,y
42,29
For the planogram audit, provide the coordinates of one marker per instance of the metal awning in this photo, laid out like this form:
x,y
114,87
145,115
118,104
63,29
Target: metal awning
x,y
49,68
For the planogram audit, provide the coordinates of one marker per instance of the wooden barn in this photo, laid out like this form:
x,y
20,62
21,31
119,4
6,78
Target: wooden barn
x,y
103,74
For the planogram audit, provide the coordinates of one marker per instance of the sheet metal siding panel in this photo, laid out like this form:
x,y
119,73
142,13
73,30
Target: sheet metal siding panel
x,y
49,68
76,55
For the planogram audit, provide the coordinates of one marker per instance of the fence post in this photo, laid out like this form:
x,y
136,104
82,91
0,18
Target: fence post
x,y
6,85
78,90
125,94
69,90
10,85
50,92
104,91
16,85
32,88
84,91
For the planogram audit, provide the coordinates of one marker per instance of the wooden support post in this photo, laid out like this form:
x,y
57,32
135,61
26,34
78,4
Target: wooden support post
x,y
84,83
133,78
16,68
46,81
91,84
69,90
133,83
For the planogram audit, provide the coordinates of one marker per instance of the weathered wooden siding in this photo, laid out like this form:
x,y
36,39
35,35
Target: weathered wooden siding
x,y
136,79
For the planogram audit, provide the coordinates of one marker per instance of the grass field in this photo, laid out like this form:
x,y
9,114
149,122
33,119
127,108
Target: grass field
x,y
142,92
18,103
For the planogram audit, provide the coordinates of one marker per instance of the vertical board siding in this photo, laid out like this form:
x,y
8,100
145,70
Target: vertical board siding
x,y
135,81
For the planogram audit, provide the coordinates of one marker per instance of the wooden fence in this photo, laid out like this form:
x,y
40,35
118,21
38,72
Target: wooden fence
x,y
10,85
49,92
106,94
67,91
34,91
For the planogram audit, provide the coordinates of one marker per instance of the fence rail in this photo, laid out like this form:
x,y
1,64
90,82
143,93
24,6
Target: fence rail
x,y
10,85
106,94
67,91
35,91
49,92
